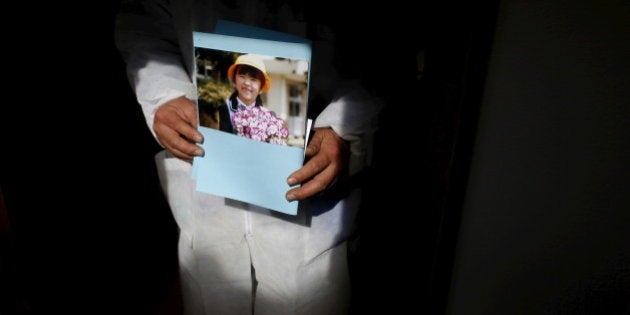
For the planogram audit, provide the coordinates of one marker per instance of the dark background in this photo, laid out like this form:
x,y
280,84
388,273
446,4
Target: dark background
x,y
514,200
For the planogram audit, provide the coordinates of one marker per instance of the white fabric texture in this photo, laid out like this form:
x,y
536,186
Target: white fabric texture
x,y
299,261
300,268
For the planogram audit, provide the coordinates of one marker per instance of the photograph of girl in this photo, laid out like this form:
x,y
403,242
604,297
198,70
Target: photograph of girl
x,y
236,95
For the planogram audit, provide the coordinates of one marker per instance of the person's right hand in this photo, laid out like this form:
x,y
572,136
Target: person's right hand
x,y
175,125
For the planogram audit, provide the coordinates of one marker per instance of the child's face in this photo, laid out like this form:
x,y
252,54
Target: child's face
x,y
248,87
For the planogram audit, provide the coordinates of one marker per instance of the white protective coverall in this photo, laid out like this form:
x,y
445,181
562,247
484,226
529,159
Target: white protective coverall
x,y
234,257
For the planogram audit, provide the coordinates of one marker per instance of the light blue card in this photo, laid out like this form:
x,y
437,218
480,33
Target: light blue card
x,y
257,46
247,170
236,167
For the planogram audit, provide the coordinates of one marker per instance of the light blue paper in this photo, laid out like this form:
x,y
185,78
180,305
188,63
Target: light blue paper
x,y
253,46
247,170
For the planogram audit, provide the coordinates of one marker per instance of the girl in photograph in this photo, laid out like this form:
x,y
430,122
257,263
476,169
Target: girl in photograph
x,y
244,113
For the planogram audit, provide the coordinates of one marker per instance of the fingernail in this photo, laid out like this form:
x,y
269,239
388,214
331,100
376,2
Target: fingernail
x,y
291,181
290,197
199,138
199,152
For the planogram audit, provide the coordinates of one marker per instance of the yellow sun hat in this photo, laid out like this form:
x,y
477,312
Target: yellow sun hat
x,y
252,61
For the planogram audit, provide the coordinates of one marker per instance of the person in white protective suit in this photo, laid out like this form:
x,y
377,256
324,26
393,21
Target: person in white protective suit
x,y
237,258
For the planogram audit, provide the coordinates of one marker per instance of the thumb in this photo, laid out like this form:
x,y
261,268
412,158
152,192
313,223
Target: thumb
x,y
314,145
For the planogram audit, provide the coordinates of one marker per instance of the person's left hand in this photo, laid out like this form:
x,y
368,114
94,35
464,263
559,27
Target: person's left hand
x,y
328,155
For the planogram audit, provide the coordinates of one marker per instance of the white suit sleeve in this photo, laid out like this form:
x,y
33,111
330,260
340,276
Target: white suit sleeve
x,y
353,116
147,40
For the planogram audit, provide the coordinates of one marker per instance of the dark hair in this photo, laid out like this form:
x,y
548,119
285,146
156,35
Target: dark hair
x,y
250,71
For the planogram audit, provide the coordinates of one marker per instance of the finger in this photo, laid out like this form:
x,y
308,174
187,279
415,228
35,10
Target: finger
x,y
190,116
181,155
188,132
313,166
310,169
183,127
314,146
173,141
312,149
316,185
177,115
185,146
